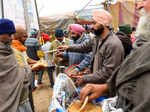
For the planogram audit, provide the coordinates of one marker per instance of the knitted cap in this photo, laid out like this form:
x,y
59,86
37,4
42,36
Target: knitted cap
x,y
7,26
59,33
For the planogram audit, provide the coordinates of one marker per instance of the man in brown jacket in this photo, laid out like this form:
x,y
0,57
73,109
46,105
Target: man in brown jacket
x,y
130,82
107,50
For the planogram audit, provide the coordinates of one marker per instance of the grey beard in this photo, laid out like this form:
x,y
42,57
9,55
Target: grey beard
x,y
143,31
143,28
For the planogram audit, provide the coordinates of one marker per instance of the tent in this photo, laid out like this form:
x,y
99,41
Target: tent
x,y
124,12
57,21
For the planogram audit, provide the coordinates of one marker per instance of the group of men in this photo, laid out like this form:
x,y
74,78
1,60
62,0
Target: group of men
x,y
107,50
110,74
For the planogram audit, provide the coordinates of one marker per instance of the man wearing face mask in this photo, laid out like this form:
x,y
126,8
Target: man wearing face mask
x,y
78,37
107,49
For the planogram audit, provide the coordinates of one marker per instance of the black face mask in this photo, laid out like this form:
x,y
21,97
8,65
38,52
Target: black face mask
x,y
99,31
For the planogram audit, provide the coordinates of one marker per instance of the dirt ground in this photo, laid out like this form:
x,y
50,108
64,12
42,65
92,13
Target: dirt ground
x,y
42,95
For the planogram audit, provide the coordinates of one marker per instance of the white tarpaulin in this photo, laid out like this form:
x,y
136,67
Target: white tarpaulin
x,y
57,21
32,14
13,9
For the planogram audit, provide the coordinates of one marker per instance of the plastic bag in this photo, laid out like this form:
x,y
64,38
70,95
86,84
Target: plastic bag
x,y
64,93
109,105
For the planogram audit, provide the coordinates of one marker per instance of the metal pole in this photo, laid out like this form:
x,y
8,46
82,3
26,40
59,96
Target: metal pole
x,y
37,15
26,16
2,8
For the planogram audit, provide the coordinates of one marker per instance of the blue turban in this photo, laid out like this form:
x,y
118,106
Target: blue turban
x,y
7,26
59,33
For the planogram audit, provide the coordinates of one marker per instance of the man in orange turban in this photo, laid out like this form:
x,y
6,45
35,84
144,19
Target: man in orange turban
x,y
105,47
102,17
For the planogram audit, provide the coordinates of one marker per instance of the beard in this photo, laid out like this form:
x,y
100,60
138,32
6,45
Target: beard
x,y
75,38
98,31
23,42
143,28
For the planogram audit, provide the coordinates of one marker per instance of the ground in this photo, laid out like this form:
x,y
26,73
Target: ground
x,y
42,96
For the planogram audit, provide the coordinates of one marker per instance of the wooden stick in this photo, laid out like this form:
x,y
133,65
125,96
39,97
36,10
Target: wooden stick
x,y
51,51
84,104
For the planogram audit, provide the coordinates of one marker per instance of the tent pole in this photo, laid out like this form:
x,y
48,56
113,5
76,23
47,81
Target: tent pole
x,y
2,8
38,18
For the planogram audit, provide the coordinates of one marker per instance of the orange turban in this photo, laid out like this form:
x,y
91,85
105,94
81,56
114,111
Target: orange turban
x,y
102,17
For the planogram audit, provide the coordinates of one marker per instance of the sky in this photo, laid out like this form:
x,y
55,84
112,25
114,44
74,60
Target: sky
x,y
51,7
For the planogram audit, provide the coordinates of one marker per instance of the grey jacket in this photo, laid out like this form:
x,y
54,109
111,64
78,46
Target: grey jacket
x,y
131,81
110,56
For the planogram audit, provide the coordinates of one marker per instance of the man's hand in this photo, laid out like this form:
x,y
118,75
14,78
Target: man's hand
x,y
79,80
60,59
84,72
73,73
37,68
58,54
93,91
31,61
53,62
63,48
